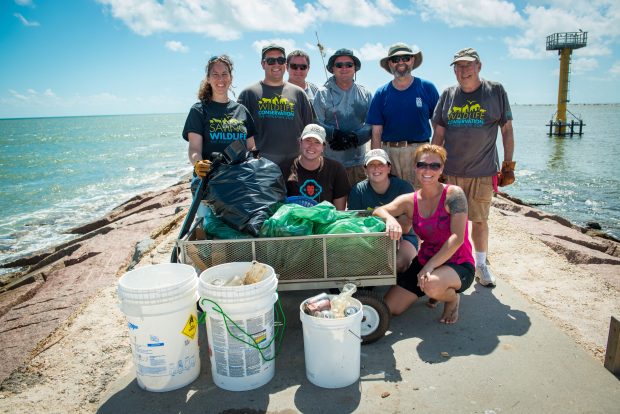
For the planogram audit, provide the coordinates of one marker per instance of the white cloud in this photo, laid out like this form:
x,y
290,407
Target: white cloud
x,y
582,65
361,13
24,3
228,21
25,21
287,44
372,51
176,46
615,69
597,17
473,13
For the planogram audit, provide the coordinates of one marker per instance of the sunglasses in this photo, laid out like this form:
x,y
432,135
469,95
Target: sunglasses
x,y
435,166
272,61
396,59
340,65
295,66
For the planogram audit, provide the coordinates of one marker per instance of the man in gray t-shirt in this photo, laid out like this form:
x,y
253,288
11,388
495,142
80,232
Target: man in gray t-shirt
x,y
466,121
280,109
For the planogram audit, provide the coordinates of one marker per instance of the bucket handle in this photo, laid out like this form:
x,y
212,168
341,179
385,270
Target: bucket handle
x,y
355,335
279,327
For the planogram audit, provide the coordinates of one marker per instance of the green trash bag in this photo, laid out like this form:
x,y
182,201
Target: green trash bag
x,y
370,224
217,229
296,220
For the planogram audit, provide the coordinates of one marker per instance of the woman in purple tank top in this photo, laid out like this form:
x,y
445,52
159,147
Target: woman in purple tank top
x,y
444,266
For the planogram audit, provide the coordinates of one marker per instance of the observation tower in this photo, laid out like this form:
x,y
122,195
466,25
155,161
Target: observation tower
x,y
564,43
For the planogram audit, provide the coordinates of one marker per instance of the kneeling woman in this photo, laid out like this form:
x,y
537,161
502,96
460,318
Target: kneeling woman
x,y
444,266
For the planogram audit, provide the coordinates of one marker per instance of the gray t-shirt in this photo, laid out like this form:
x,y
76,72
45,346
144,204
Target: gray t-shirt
x,y
472,121
280,114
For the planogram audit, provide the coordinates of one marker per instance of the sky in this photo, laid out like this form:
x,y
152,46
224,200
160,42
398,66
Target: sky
x,y
102,57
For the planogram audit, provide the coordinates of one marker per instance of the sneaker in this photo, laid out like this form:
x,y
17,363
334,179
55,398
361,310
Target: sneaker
x,y
484,276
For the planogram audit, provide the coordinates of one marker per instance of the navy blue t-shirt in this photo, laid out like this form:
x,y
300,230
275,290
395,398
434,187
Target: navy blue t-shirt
x,y
219,124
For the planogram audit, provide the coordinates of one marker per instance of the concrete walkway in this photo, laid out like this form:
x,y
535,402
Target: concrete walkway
x,y
503,356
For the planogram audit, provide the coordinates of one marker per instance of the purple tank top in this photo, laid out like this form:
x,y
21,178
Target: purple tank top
x,y
435,230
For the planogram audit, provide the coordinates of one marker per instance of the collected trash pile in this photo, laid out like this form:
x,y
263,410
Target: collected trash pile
x,y
322,306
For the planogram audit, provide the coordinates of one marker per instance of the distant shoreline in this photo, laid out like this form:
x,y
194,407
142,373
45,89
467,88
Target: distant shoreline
x,y
183,112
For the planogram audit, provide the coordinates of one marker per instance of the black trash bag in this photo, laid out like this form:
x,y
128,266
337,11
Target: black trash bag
x,y
245,194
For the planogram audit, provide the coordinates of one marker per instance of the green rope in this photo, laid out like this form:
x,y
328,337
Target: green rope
x,y
278,333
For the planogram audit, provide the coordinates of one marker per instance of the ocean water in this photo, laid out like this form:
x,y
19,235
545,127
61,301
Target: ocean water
x,y
574,177
58,173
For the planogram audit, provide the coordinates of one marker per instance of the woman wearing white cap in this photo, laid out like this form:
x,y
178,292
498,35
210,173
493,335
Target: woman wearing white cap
x,y
380,188
312,175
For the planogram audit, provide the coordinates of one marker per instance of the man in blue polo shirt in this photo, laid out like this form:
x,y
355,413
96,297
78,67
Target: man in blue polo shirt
x,y
401,110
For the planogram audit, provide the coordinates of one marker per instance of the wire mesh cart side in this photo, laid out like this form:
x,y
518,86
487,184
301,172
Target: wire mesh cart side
x,y
305,262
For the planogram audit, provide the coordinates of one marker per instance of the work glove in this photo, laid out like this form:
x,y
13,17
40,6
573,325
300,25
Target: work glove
x,y
338,142
202,168
507,175
352,140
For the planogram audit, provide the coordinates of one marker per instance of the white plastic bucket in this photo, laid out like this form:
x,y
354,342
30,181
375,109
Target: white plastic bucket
x,y
159,302
238,366
332,348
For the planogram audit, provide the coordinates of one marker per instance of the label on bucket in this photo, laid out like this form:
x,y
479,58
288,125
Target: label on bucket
x,y
233,358
191,326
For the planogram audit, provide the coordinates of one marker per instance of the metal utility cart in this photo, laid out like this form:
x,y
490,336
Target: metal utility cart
x,y
312,262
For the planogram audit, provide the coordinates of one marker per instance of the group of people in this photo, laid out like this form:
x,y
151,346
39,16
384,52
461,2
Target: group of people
x,y
424,163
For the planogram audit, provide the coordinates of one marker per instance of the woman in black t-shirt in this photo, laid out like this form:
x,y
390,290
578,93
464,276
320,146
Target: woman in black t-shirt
x,y
215,121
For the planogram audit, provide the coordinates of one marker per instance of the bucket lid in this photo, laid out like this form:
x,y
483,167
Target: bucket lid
x,y
155,284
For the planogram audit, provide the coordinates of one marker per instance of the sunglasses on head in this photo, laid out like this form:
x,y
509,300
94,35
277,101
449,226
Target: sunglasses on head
x,y
396,59
435,166
295,66
344,65
272,61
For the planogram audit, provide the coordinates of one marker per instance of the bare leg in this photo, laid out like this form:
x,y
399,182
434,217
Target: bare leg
x,y
399,299
451,311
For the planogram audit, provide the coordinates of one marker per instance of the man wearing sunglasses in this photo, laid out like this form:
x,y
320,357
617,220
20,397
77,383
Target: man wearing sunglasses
x,y
341,106
401,110
466,121
280,109
298,66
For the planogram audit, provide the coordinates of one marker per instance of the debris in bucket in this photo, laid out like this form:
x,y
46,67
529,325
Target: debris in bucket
x,y
255,274
320,306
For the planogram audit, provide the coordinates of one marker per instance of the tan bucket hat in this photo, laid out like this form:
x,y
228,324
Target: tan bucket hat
x,y
400,49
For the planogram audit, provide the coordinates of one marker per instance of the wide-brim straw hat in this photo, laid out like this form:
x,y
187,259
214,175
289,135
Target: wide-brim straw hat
x,y
400,49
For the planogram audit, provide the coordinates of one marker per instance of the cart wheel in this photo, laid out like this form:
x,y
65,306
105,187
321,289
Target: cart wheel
x,y
376,318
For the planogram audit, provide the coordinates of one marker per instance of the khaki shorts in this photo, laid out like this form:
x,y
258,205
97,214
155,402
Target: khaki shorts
x,y
356,174
403,159
479,192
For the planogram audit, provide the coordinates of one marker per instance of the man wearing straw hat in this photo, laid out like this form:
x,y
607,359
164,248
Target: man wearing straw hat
x,y
401,110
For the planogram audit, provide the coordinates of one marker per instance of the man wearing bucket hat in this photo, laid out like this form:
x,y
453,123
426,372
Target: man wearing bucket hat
x,y
341,106
380,188
280,109
314,176
466,121
401,110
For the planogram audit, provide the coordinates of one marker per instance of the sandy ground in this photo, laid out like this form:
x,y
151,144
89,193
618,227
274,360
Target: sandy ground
x,y
72,369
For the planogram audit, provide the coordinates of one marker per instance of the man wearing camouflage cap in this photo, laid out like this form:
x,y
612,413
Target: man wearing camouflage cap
x,y
401,110
466,121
